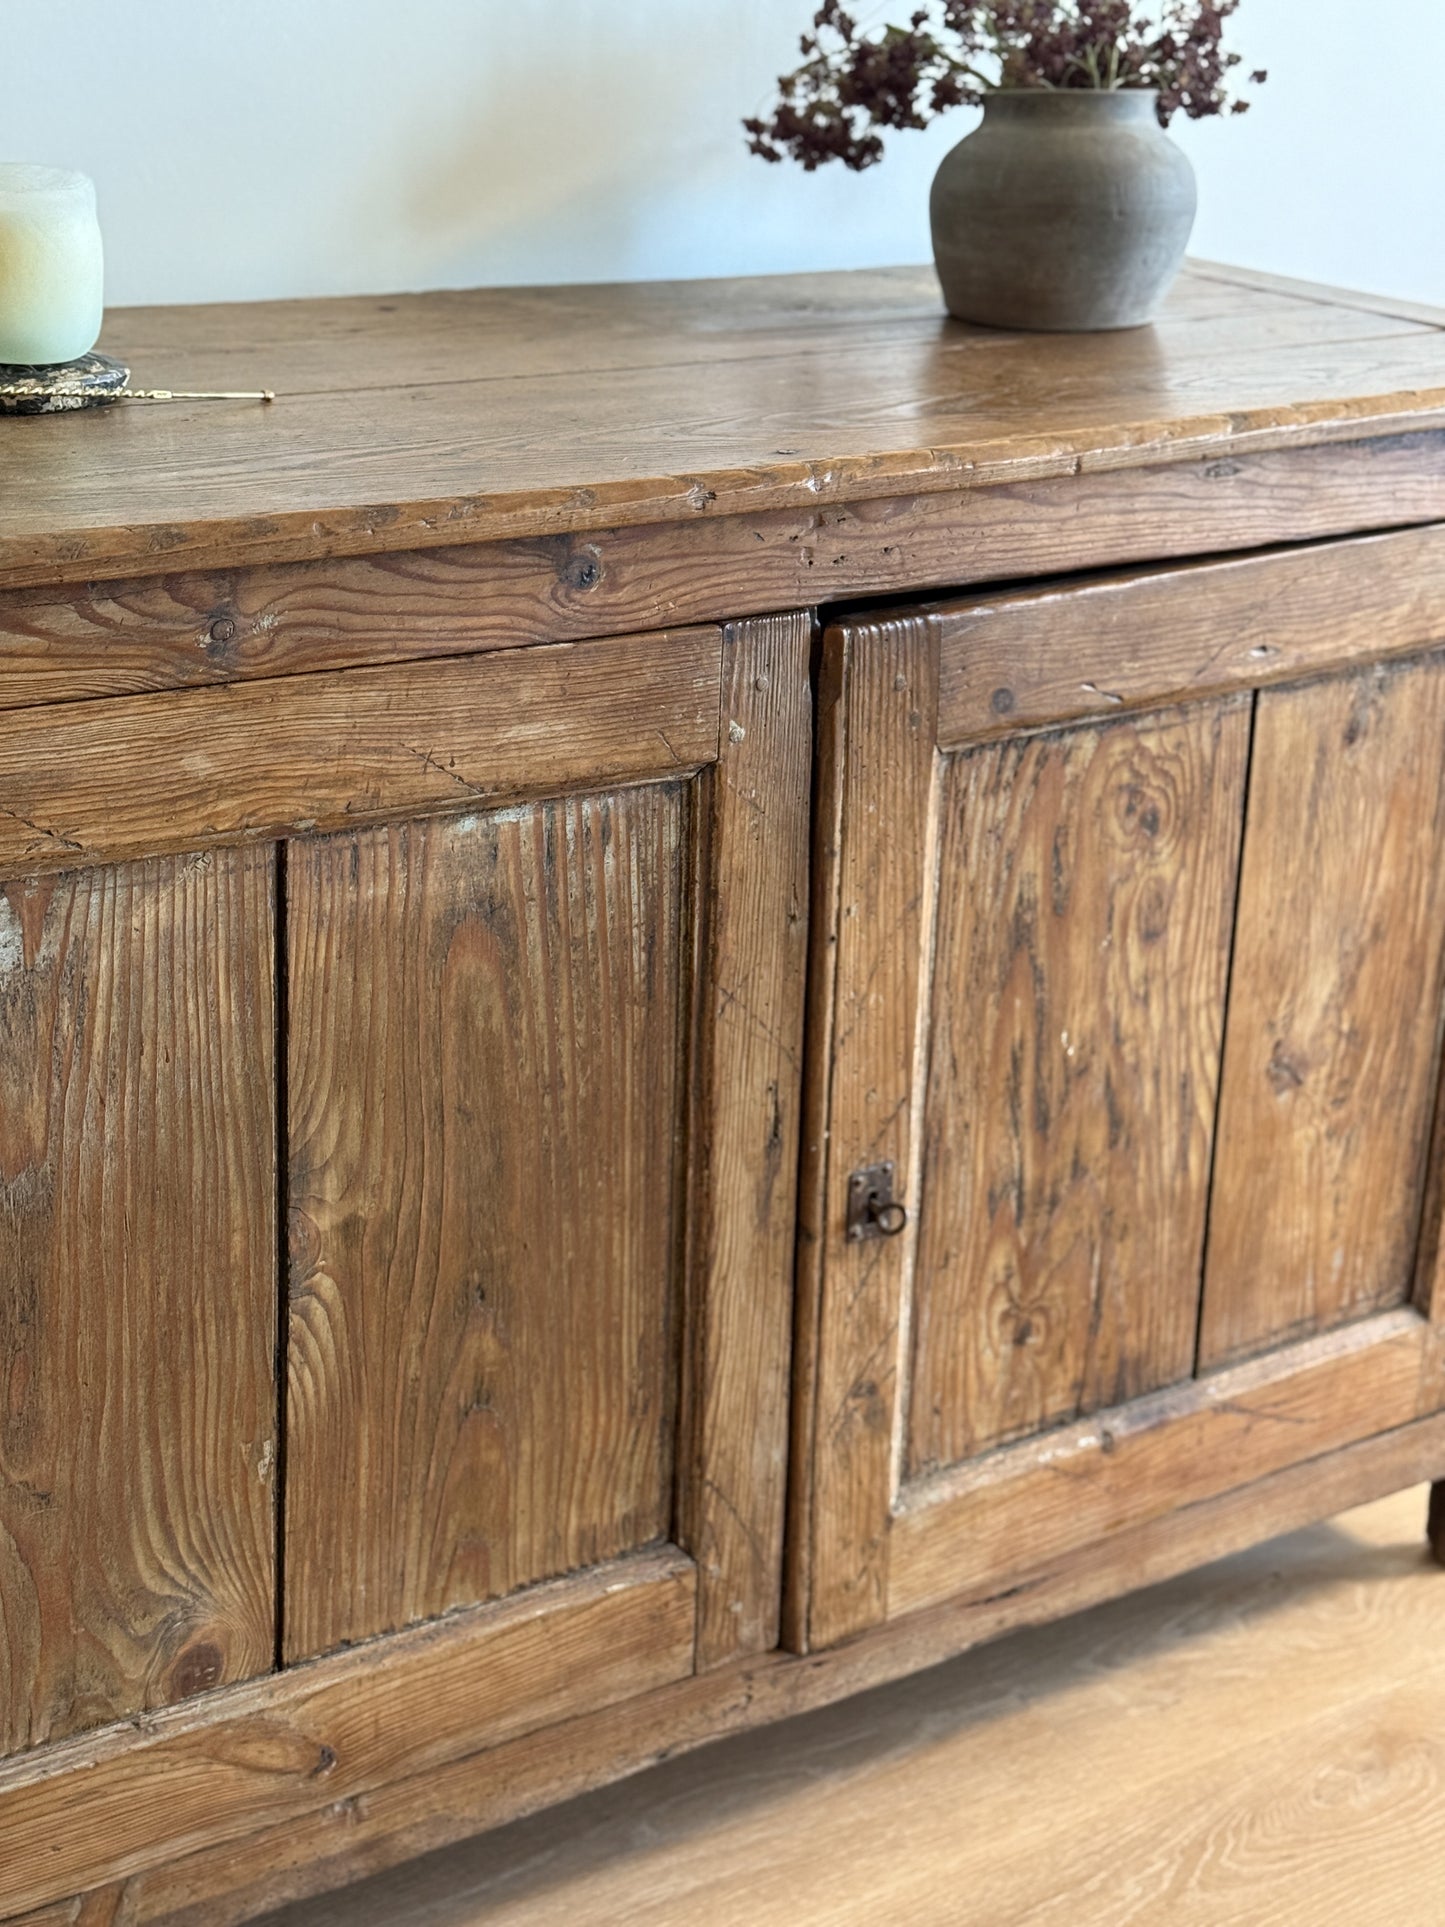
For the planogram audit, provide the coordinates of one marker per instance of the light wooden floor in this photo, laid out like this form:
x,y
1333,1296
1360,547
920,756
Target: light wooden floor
x,y
1258,1744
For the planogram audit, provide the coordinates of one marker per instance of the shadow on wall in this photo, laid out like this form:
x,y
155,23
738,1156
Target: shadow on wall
x,y
552,171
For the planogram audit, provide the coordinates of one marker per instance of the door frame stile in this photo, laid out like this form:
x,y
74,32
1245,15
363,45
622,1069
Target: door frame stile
x,y
887,676
750,954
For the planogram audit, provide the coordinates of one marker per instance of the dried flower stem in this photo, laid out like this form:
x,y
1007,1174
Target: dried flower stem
x,y
852,83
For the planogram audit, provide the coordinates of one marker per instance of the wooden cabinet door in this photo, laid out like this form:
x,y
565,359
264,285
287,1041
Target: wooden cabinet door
x,y
505,957
1129,961
543,1075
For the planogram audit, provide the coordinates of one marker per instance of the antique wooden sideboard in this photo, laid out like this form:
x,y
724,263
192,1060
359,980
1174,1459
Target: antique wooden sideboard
x,y
704,991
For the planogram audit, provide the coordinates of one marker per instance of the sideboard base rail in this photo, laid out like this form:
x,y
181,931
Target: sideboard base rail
x,y
342,1839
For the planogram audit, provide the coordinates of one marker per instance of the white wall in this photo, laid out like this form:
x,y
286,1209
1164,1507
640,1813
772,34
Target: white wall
x,y
274,147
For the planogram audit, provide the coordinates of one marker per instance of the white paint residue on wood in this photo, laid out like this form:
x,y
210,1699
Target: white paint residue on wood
x,y
12,942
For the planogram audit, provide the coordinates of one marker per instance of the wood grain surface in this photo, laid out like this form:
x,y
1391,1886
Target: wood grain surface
x,y
99,1908
325,1734
468,335
137,1290
229,1881
485,1021
960,1532
1091,649
542,924
886,812
1291,288
1256,1742
1331,1046
456,418
1086,902
233,623
751,899
208,767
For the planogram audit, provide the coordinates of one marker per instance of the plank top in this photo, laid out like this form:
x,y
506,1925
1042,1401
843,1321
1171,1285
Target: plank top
x,y
417,421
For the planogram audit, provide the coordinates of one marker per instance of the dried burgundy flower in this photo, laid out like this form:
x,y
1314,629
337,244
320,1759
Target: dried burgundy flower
x,y
952,53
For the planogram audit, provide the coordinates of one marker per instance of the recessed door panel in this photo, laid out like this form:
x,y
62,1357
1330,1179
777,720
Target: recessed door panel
x,y
1330,1056
486,1114
1085,900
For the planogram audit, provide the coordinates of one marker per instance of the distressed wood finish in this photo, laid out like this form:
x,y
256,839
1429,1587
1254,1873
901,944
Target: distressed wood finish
x,y
485,1022
959,1533
137,1304
484,1368
1055,1268
236,624
887,678
797,405
357,342
1237,1704
751,893
207,767
1290,288
545,1075
1331,1048
326,1734
1086,650
1086,902
99,1908
324,1849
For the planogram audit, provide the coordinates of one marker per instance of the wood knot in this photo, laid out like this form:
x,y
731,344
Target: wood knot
x,y
583,570
220,638
1283,1072
196,1670
1143,811
1146,811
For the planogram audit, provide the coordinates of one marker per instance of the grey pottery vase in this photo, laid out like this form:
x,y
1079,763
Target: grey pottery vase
x,y
1062,210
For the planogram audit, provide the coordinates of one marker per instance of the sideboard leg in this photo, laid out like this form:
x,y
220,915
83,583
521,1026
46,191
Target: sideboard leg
x,y
1435,1524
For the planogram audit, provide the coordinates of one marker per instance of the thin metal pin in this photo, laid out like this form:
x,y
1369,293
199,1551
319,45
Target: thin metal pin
x,y
183,394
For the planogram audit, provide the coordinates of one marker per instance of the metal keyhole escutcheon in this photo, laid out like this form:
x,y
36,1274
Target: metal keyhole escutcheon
x,y
873,1211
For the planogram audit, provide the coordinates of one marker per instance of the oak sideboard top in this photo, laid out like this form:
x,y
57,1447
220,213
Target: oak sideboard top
x,y
408,422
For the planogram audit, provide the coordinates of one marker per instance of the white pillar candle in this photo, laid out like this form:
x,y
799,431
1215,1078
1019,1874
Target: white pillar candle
x,y
50,265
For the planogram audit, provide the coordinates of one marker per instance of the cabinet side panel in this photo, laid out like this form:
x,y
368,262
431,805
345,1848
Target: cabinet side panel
x,y
137,1289
1086,902
484,1114
1330,1050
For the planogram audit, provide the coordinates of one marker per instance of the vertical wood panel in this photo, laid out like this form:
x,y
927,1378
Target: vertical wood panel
x,y
1428,1294
484,1118
888,680
753,908
1086,901
137,1289
1330,1049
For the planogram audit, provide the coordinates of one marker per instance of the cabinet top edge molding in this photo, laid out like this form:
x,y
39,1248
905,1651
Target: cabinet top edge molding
x,y
422,421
